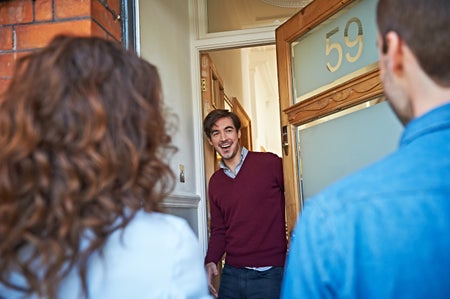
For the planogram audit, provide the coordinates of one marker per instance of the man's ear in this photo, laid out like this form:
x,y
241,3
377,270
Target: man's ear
x,y
239,134
393,46
210,141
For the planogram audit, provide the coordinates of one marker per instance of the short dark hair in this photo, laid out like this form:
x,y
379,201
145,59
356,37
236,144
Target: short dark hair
x,y
425,27
217,114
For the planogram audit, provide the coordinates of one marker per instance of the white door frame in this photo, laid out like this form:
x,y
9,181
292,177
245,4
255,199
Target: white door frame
x,y
200,42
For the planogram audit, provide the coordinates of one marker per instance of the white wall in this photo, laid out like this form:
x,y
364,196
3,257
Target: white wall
x,y
265,95
165,39
250,75
228,63
165,42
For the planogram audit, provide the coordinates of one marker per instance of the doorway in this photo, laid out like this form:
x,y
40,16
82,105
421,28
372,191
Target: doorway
x,y
245,61
244,81
178,64
249,74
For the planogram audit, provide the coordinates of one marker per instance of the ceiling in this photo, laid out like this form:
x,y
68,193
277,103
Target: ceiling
x,y
244,14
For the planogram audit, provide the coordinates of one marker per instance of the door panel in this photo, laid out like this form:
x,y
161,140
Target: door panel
x,y
286,34
246,123
327,68
334,147
213,97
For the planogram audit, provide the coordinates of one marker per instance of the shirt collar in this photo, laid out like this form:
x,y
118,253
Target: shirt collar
x,y
431,121
228,171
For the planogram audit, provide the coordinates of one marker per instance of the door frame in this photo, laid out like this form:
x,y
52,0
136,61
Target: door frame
x,y
201,42
130,24
204,43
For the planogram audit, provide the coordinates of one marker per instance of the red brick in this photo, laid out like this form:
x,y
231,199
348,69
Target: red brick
x,y
7,64
72,8
92,19
16,12
38,35
106,19
6,42
43,10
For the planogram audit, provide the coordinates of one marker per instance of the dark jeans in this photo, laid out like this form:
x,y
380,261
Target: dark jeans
x,y
243,283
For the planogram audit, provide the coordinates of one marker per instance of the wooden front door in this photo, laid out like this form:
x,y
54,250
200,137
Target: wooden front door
x,y
333,115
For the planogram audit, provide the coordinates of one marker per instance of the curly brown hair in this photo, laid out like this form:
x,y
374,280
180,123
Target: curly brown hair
x,y
84,144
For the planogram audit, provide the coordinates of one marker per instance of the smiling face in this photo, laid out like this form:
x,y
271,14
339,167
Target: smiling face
x,y
225,139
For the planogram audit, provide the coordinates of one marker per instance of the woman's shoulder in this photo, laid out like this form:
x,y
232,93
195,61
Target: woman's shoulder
x,y
140,258
157,220
156,227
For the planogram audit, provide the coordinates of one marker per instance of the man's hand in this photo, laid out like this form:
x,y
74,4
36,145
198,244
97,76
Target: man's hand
x,y
211,269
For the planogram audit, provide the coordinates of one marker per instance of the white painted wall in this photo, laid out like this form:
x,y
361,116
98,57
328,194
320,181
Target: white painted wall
x,y
165,39
228,63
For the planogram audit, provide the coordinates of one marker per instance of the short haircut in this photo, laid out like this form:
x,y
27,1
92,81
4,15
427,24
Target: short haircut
x,y
217,114
425,27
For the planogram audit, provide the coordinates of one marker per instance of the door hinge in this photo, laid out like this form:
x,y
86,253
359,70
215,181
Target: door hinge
x,y
203,84
284,140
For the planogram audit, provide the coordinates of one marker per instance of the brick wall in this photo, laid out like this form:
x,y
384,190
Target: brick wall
x,y
26,25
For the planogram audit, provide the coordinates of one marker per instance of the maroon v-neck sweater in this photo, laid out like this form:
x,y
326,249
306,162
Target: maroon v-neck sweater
x,y
247,214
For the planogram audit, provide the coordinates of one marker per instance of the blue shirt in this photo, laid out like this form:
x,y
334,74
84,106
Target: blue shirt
x,y
383,232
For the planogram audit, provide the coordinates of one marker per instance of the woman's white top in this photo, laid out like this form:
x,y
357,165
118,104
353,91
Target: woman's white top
x,y
157,256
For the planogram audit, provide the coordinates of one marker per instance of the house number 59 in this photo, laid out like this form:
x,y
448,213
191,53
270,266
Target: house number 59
x,y
336,47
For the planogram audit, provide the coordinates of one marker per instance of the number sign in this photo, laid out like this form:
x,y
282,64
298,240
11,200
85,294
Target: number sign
x,y
335,50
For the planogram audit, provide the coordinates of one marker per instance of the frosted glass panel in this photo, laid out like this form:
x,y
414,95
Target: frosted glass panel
x,y
335,148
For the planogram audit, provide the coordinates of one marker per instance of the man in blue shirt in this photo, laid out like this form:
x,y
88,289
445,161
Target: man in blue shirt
x,y
384,232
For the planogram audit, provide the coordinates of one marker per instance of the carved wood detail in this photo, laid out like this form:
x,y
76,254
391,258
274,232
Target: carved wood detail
x,y
346,95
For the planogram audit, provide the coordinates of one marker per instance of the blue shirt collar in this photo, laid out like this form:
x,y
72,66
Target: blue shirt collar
x,y
228,171
431,121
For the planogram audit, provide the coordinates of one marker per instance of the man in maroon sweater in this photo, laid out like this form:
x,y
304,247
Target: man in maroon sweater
x,y
246,198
